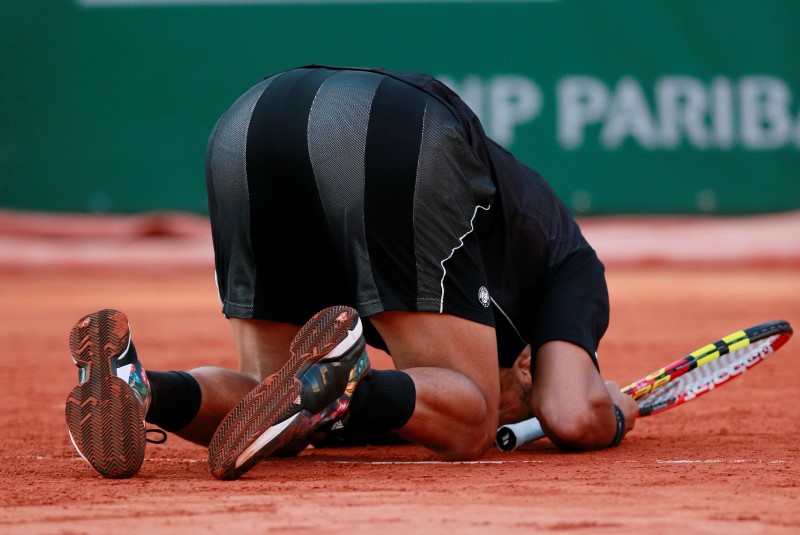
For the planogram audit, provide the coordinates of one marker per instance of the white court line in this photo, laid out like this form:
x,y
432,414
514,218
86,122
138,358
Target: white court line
x,y
442,463
445,463
712,461
170,460
690,461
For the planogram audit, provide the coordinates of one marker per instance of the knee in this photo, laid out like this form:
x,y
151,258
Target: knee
x,y
474,443
476,435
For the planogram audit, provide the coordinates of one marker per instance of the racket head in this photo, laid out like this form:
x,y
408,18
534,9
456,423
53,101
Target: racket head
x,y
708,367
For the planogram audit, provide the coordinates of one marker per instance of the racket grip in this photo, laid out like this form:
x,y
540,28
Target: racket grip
x,y
512,436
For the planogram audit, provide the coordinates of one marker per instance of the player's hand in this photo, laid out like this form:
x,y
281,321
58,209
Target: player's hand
x,y
624,402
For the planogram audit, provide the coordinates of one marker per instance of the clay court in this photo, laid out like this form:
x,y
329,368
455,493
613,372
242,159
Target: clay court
x,y
727,463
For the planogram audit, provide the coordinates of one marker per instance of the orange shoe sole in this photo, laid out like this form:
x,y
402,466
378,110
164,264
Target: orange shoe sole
x,y
105,420
264,414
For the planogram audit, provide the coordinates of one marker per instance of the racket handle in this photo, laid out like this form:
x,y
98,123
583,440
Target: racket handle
x,y
511,436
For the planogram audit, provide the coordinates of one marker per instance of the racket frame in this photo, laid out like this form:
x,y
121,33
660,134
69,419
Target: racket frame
x,y
512,436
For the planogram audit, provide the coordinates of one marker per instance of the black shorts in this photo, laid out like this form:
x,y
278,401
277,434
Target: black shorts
x,y
330,187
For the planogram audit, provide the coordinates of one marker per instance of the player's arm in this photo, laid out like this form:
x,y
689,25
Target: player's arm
x,y
515,389
574,405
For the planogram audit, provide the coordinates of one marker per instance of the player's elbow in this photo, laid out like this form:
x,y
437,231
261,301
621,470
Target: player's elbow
x,y
582,426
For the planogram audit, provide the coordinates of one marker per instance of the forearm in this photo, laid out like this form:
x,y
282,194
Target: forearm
x,y
573,404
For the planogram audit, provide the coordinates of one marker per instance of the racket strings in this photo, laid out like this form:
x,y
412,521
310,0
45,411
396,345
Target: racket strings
x,y
706,377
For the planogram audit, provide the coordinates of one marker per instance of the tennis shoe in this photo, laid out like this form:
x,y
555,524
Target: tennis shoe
x,y
105,413
314,388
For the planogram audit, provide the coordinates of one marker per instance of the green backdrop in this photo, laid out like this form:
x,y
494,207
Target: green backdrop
x,y
645,106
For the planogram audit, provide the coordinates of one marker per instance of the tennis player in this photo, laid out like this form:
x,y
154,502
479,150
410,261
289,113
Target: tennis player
x,y
371,205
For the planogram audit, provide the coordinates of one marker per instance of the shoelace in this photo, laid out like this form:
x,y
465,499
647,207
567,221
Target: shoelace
x,y
158,432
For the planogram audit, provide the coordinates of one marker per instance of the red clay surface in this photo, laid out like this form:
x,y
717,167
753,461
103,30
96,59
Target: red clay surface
x,y
726,463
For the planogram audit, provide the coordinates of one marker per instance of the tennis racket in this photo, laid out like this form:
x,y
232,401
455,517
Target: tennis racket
x,y
686,379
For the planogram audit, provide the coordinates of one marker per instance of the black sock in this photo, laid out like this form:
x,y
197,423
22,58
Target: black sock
x,y
175,399
384,400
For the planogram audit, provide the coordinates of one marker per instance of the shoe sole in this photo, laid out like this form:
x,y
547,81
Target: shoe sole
x,y
249,432
105,420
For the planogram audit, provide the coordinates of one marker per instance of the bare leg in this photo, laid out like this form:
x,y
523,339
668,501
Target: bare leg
x,y
263,347
221,390
453,363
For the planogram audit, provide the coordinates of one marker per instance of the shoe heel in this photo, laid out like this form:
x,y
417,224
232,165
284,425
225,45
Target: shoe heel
x,y
328,330
105,421
98,338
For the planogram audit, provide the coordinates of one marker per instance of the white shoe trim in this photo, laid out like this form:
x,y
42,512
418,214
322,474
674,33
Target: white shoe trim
x,y
344,346
263,440
124,372
76,447
127,348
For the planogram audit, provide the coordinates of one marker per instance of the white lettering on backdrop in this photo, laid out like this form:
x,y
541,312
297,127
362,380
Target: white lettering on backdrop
x,y
750,112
